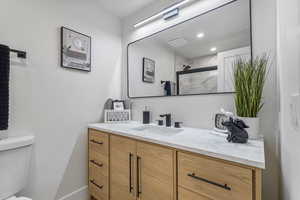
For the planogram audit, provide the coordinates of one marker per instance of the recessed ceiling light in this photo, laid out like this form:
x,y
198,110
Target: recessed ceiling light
x,y
200,35
213,49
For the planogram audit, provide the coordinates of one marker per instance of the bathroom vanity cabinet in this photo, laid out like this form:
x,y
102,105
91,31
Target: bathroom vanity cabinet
x,y
123,168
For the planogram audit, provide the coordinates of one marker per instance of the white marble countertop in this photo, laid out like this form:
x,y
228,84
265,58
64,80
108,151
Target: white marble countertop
x,y
202,141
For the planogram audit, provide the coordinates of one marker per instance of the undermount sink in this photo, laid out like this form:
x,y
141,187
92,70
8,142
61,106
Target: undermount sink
x,y
153,129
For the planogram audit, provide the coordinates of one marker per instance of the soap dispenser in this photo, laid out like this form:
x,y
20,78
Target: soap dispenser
x,y
146,116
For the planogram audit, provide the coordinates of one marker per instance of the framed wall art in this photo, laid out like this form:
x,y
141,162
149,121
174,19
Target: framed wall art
x,y
75,50
148,70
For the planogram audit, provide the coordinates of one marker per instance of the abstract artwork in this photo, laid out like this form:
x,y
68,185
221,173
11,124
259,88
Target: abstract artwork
x,y
148,70
75,50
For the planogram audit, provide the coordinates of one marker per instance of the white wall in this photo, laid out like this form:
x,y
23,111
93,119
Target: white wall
x,y
289,62
164,68
204,61
54,103
264,40
197,111
179,62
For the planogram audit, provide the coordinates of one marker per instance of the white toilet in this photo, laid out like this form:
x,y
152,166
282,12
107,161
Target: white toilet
x,y
15,154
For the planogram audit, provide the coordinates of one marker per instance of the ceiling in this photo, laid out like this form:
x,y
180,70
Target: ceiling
x,y
124,8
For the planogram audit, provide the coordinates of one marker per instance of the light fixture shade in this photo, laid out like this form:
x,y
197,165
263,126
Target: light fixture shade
x,y
161,13
171,14
180,5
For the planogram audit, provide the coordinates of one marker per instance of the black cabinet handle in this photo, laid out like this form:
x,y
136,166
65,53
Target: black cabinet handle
x,y
93,198
138,176
97,164
193,175
130,172
94,183
96,142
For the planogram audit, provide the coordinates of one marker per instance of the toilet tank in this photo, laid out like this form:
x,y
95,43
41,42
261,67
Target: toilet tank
x,y
15,154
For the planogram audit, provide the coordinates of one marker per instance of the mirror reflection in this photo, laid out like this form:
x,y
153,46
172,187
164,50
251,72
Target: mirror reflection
x,y
194,57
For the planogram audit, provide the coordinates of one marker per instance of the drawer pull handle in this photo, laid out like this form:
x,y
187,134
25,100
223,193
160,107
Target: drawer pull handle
x,y
130,172
98,186
193,175
138,177
95,163
96,142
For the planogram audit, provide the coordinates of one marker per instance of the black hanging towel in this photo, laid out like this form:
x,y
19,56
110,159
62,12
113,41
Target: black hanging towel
x,y
4,86
168,88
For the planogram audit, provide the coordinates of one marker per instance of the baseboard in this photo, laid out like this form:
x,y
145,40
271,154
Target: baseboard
x,y
80,194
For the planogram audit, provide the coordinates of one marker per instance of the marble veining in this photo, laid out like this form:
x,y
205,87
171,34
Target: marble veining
x,y
202,141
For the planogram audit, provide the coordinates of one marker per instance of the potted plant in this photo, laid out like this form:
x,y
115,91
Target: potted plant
x,y
249,81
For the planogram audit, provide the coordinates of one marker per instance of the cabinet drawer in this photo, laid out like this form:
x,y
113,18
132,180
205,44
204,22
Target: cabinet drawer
x,y
98,192
98,183
98,142
184,194
99,164
214,179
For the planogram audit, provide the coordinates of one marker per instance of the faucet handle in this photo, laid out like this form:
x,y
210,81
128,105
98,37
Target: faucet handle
x,y
160,122
165,115
177,124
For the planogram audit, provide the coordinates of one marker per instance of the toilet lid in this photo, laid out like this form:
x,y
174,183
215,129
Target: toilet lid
x,y
18,198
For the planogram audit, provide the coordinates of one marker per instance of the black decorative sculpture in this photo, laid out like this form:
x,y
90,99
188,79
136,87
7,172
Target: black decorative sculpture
x,y
237,132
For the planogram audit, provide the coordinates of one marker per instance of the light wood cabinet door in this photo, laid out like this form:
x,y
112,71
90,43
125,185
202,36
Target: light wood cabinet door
x,y
155,172
122,161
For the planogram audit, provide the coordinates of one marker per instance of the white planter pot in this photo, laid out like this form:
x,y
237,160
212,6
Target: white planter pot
x,y
253,130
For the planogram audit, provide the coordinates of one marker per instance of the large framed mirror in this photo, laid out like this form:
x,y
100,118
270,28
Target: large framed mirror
x,y
195,57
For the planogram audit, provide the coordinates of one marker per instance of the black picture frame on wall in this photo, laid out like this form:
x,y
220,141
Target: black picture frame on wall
x,y
75,50
148,70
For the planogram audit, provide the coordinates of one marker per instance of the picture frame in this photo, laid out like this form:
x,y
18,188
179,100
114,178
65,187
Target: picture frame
x,y
148,70
75,50
118,105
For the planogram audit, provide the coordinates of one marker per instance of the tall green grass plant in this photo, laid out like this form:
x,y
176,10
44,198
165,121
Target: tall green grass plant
x,y
249,81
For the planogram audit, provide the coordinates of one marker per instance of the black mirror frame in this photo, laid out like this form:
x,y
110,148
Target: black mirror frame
x,y
217,93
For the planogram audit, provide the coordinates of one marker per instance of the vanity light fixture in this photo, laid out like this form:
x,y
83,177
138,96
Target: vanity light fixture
x,y
171,14
161,13
200,35
213,49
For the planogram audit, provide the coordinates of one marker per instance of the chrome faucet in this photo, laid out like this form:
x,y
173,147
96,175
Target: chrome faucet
x,y
168,119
